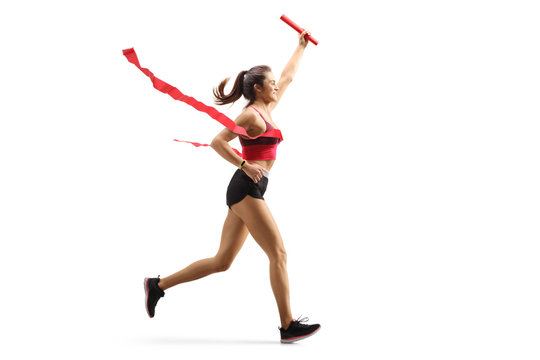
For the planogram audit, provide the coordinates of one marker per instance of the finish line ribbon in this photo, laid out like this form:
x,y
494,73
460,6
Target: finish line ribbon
x,y
176,94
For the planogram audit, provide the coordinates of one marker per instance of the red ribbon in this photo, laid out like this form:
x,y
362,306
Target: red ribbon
x,y
176,94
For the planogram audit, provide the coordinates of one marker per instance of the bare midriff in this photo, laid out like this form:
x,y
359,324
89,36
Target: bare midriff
x,y
267,164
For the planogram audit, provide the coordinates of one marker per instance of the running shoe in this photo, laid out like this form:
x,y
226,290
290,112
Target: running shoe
x,y
298,331
152,294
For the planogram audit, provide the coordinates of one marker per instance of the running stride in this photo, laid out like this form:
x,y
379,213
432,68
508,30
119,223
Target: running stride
x,y
248,212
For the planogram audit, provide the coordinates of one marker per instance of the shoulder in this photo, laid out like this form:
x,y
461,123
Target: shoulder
x,y
246,119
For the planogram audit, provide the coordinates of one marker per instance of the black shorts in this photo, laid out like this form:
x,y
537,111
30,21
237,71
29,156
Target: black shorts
x,y
241,185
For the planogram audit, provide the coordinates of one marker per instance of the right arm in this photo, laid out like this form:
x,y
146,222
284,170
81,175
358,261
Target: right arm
x,y
221,145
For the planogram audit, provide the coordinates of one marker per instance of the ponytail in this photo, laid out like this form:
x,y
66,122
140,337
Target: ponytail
x,y
243,86
235,94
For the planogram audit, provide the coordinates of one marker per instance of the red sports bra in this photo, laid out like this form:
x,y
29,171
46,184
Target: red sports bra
x,y
261,148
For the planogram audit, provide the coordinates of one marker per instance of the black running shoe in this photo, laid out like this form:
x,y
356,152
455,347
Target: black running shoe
x,y
298,331
152,294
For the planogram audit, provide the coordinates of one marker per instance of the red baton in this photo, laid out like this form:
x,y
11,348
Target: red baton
x,y
298,28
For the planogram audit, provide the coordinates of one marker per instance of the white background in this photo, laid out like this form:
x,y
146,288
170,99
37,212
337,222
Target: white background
x,y
406,189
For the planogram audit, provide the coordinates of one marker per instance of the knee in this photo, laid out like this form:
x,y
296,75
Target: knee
x,y
222,264
279,256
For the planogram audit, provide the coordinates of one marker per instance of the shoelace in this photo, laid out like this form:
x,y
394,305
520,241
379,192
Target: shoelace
x,y
302,320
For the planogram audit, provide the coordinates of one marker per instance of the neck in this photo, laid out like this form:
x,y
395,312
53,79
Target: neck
x,y
261,105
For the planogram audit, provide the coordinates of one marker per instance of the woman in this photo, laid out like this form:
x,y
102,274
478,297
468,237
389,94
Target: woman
x,y
248,212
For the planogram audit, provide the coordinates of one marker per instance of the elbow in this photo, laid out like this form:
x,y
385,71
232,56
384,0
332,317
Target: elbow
x,y
215,143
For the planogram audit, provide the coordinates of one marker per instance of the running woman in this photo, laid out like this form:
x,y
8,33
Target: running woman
x,y
248,212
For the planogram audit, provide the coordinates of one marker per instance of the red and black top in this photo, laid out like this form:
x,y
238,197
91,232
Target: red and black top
x,y
261,148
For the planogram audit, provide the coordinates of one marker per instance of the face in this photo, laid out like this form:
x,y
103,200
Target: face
x,y
270,90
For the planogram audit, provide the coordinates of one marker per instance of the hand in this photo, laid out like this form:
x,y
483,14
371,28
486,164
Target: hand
x,y
254,171
302,40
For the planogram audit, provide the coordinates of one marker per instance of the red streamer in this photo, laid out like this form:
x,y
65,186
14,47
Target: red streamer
x,y
176,94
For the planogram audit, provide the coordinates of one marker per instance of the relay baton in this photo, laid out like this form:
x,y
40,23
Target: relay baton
x,y
298,28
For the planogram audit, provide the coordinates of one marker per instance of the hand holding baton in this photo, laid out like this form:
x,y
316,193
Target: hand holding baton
x,y
298,28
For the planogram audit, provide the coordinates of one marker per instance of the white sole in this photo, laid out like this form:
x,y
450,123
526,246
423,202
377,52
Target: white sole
x,y
146,296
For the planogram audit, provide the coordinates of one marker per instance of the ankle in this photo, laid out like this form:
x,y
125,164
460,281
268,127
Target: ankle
x,y
285,325
161,285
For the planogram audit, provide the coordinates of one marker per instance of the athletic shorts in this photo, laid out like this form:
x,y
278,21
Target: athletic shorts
x,y
241,185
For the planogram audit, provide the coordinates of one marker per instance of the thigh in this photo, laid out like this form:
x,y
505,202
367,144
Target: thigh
x,y
261,224
233,236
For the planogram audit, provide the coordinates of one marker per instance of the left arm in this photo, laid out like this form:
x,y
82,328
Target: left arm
x,y
290,69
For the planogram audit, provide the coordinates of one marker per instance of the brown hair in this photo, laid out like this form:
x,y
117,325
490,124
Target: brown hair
x,y
243,85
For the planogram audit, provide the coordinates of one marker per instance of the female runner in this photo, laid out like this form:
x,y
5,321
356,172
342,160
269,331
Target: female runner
x,y
248,212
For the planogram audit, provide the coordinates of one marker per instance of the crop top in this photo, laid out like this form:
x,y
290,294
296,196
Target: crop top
x,y
261,148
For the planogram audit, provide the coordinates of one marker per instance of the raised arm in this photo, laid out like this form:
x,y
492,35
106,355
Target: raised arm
x,y
287,75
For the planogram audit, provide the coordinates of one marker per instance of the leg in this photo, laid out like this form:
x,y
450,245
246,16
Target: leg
x,y
262,226
233,237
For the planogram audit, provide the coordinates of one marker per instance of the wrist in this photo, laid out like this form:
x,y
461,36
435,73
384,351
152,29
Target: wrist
x,y
243,164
